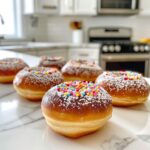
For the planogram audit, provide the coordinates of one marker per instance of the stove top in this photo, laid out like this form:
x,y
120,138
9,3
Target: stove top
x,y
116,40
124,47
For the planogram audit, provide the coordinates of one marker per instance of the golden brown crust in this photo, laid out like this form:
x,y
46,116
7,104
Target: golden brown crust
x,y
38,78
129,88
76,78
11,66
77,98
76,108
81,69
75,116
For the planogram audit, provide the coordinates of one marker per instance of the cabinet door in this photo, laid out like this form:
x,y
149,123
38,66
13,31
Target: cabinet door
x,y
85,54
66,7
48,6
86,7
32,52
145,7
29,6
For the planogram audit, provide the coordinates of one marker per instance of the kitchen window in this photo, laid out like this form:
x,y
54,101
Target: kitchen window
x,y
9,18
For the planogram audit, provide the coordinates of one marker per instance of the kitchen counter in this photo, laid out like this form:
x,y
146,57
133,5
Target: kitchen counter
x,y
38,46
23,127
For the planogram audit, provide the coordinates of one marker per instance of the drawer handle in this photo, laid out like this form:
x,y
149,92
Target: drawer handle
x,y
49,7
83,54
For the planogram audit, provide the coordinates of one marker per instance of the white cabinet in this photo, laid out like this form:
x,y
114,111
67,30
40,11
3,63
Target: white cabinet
x,y
32,52
66,7
86,7
145,7
85,54
41,6
78,7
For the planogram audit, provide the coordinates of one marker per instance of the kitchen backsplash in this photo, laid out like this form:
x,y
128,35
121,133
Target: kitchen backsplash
x,y
56,29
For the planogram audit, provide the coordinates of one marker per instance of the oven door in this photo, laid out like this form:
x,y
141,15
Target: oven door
x,y
118,6
134,62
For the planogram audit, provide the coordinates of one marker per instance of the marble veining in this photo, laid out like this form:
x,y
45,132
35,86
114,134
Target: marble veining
x,y
145,137
22,125
116,143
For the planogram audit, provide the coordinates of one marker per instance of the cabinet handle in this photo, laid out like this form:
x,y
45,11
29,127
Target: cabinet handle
x,y
49,7
83,54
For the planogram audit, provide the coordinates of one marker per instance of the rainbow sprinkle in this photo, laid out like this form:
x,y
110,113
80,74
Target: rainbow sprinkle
x,y
78,89
126,75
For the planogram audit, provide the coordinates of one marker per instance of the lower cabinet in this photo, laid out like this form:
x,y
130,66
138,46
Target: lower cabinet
x,y
84,53
33,52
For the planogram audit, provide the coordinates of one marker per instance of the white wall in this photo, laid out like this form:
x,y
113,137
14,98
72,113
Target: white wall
x,y
56,28
35,30
59,30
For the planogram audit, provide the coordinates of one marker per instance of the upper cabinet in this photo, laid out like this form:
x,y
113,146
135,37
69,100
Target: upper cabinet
x,y
78,7
41,6
66,7
145,7
88,7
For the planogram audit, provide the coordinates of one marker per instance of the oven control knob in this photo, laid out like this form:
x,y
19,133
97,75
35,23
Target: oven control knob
x,y
105,48
118,48
111,48
136,48
147,48
142,48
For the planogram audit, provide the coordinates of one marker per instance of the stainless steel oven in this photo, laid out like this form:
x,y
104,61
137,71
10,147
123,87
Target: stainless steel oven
x,y
119,52
135,62
118,7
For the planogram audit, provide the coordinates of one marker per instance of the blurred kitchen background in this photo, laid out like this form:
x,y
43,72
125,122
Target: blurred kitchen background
x,y
113,33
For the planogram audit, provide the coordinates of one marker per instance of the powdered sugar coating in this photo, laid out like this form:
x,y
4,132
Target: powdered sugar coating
x,y
38,78
11,65
82,68
78,96
124,83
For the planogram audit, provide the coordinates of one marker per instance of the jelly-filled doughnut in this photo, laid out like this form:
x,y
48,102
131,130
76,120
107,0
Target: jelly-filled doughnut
x,y
82,70
9,67
125,87
76,108
32,83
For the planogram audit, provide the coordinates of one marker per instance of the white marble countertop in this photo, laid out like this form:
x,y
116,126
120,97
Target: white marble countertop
x,y
22,126
44,45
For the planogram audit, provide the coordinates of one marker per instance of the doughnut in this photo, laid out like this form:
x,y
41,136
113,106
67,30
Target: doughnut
x,y
126,88
76,108
55,62
32,83
9,67
82,70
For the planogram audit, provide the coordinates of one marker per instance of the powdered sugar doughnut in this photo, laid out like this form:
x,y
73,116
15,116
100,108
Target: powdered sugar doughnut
x,y
32,83
81,70
76,108
126,87
9,67
56,62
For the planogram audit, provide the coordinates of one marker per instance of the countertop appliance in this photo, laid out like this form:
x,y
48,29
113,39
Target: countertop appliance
x,y
118,51
118,7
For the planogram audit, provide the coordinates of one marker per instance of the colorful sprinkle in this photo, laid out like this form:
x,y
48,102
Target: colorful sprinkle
x,y
78,89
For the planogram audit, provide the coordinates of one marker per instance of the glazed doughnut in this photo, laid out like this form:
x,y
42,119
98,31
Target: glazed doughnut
x,y
55,62
9,67
81,70
32,83
125,87
76,108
